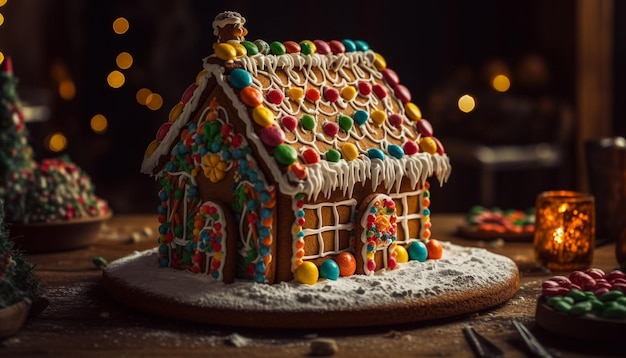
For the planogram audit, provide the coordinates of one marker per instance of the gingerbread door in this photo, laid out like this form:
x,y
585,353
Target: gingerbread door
x,y
376,234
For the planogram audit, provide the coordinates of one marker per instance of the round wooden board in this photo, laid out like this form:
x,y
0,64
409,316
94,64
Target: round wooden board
x,y
138,282
587,327
56,236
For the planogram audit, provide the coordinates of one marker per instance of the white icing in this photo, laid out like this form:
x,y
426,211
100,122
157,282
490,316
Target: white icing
x,y
226,18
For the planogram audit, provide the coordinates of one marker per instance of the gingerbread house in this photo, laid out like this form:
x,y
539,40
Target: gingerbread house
x,y
283,154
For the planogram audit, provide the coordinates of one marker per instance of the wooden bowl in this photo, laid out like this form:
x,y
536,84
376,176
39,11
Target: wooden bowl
x,y
56,236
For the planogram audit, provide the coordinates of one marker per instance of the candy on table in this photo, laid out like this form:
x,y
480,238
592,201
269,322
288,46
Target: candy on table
x,y
501,221
588,292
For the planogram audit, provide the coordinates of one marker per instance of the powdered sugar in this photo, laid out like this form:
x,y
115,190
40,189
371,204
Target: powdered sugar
x,y
459,270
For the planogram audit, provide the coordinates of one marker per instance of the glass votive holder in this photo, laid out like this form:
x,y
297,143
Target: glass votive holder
x,y
565,237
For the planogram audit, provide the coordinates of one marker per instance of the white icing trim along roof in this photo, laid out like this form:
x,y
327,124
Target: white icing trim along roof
x,y
352,138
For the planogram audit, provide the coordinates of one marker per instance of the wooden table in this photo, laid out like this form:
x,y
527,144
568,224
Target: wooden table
x,y
82,319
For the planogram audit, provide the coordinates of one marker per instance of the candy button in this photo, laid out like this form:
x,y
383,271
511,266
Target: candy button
x,y
277,48
330,128
410,148
425,128
188,93
251,47
361,45
272,136
225,51
380,91
322,47
263,116
440,148
361,117
395,151
349,45
402,93
428,145
307,273
200,75
379,116
390,76
379,62
240,49
331,94
375,153
329,270
163,129
296,93
350,151
308,122
289,122
263,46
275,96
299,170
312,94
333,155
348,93
311,156
417,251
364,88
396,120
176,111
240,78
345,122
251,97
291,47
337,47
151,148
285,154
307,47
412,111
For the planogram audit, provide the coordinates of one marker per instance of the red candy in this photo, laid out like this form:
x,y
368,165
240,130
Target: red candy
x,y
582,279
390,76
596,273
336,47
163,129
322,47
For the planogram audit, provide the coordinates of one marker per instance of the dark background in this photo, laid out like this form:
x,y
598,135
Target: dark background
x,y
440,49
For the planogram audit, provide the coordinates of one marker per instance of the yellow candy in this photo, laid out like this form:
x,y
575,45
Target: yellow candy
x,y
428,145
412,111
151,148
296,93
225,51
379,117
200,75
176,111
350,151
296,229
307,273
263,116
311,45
379,62
348,93
402,255
240,50
217,256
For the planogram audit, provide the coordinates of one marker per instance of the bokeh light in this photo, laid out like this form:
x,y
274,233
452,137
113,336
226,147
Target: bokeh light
x,y
1,19
124,60
120,25
67,89
116,79
501,83
466,103
99,123
142,96
154,101
3,2
56,142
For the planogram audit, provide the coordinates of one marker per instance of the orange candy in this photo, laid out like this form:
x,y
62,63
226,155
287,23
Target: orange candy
x,y
346,263
435,250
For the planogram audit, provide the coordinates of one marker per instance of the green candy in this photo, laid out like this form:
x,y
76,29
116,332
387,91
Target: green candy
x,y
285,154
333,155
615,311
251,48
277,48
308,122
345,123
611,295
99,261
577,295
581,308
563,306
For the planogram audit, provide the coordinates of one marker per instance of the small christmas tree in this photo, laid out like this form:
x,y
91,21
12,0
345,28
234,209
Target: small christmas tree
x,y
17,278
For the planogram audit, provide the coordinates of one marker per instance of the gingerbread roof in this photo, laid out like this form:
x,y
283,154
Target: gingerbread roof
x,y
322,115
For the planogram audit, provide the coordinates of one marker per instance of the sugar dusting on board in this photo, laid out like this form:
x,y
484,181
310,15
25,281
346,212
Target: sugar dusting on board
x,y
461,268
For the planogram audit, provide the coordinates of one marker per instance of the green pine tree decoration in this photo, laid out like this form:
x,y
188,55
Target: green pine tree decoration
x,y
17,277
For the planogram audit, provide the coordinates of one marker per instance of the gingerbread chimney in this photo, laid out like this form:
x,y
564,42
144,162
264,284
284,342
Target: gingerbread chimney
x,y
228,26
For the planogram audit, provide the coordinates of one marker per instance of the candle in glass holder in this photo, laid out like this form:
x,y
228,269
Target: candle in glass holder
x,y
564,230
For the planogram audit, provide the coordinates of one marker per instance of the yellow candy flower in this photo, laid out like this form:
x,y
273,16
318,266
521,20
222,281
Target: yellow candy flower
x,y
214,167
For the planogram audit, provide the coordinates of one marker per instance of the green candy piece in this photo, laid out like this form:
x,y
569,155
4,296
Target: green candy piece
x,y
262,46
345,123
563,306
596,304
285,154
569,300
99,261
577,295
621,300
251,48
308,122
277,48
305,48
581,308
611,295
616,311
333,155
552,301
